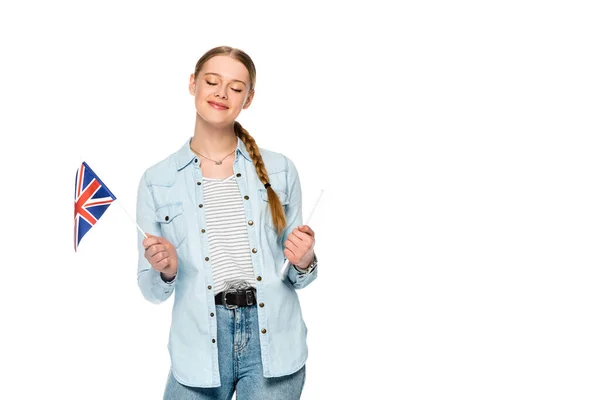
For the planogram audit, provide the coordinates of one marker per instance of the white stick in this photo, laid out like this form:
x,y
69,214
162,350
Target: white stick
x,y
286,264
132,220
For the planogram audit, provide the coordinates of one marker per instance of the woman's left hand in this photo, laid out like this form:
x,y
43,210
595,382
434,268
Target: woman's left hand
x,y
299,246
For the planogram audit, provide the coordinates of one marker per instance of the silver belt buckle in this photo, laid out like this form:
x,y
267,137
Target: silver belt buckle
x,y
229,306
250,298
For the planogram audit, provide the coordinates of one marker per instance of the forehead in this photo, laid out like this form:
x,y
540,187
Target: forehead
x,y
229,68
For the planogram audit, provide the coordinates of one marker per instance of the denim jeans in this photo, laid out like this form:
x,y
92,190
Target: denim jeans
x,y
240,364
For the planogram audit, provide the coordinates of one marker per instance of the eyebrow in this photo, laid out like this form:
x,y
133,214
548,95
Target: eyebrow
x,y
220,76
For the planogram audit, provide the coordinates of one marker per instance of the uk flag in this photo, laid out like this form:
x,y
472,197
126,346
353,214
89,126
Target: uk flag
x,y
92,198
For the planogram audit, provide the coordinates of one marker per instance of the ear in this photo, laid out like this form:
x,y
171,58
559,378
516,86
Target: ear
x,y
192,85
249,100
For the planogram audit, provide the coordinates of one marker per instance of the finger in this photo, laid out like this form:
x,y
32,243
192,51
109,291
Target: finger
x,y
162,265
300,247
150,240
289,245
159,255
299,234
151,250
295,244
294,240
161,259
290,256
305,238
154,249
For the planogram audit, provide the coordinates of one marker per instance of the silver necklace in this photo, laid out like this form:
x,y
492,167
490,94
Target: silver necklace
x,y
215,161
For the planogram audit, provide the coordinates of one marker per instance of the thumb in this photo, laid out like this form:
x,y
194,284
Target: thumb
x,y
306,229
149,235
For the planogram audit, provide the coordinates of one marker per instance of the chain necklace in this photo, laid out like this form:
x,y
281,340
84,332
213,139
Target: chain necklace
x,y
215,161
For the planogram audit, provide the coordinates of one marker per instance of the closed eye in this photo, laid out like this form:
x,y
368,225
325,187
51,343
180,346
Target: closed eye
x,y
236,90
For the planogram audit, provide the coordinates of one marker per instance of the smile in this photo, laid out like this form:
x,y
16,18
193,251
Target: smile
x,y
217,106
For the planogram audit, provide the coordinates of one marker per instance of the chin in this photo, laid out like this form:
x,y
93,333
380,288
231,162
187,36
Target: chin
x,y
216,122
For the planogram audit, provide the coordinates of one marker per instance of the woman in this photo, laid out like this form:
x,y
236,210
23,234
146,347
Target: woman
x,y
222,216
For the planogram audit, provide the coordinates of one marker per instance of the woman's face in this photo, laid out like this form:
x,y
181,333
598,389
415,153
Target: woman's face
x,y
221,90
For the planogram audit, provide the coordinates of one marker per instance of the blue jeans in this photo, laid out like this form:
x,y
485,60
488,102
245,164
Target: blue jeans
x,y
240,364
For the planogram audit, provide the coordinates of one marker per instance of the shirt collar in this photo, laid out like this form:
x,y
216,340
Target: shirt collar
x,y
185,156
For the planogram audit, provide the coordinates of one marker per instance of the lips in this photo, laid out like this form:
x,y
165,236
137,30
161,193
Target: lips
x,y
218,106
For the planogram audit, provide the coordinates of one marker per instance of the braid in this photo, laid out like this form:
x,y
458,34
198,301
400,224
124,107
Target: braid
x,y
277,212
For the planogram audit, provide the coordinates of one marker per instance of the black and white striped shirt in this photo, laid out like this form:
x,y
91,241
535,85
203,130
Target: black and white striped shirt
x,y
227,234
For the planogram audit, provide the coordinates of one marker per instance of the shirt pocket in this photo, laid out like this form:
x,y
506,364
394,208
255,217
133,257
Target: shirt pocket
x,y
283,197
172,222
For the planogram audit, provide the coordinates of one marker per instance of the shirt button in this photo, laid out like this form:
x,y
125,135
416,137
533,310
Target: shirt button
x,y
212,314
263,330
261,304
195,160
250,223
209,287
200,206
199,183
203,230
259,278
206,258
167,218
254,250
238,174
246,197
214,340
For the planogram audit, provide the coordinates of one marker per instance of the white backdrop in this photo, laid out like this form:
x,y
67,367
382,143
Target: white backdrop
x,y
457,144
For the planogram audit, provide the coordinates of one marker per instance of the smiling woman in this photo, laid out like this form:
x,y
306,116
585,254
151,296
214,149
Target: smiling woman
x,y
222,217
222,83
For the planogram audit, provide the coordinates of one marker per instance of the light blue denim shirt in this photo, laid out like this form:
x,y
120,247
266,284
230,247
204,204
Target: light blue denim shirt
x,y
169,204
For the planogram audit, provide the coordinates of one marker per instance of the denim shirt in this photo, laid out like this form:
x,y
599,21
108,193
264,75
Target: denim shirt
x,y
169,204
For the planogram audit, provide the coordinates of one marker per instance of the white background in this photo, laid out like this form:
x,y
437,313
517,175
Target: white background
x,y
456,143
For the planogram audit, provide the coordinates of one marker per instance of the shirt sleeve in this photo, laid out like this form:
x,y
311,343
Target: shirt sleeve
x,y
293,215
152,286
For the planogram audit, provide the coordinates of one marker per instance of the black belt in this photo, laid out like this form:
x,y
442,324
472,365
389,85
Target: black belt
x,y
236,297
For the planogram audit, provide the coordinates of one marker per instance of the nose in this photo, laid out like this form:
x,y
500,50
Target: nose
x,y
221,92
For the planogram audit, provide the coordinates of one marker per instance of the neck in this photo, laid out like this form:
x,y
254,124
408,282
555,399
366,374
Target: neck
x,y
211,141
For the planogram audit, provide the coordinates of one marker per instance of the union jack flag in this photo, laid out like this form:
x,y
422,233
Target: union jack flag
x,y
92,198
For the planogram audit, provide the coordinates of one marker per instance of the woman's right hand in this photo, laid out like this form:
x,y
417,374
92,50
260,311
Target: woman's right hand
x,y
161,255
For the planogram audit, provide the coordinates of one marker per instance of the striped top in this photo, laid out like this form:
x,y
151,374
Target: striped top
x,y
227,234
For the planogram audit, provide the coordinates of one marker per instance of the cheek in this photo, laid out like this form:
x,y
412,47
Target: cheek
x,y
198,102
239,102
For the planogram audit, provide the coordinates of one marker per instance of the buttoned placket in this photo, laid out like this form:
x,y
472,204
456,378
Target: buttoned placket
x,y
256,256
204,248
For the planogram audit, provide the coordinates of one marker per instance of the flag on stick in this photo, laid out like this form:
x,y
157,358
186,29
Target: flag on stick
x,y
92,199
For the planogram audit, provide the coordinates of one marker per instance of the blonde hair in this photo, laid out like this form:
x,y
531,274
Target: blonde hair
x,y
277,211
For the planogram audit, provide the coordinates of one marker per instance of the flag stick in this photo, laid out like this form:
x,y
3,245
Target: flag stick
x,y
132,220
287,262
